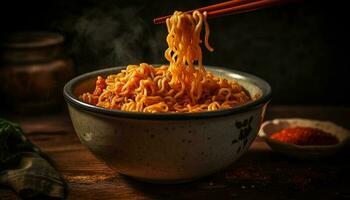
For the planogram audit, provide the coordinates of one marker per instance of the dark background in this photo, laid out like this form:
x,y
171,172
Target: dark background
x,y
300,49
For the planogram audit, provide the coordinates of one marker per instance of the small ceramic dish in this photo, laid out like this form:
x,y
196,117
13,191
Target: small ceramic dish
x,y
303,152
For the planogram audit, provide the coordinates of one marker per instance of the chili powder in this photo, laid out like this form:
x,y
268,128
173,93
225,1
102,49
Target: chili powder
x,y
305,136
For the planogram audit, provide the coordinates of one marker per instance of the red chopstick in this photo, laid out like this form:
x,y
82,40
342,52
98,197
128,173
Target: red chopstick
x,y
230,7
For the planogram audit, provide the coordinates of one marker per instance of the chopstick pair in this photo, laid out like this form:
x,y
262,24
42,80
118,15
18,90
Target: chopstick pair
x,y
231,7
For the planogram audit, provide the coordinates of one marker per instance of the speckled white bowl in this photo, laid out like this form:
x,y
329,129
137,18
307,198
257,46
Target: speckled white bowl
x,y
167,147
304,152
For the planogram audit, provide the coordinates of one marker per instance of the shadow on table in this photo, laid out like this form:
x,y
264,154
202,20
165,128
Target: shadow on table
x,y
261,173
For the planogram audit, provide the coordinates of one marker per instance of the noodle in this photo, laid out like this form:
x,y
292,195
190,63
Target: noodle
x,y
183,86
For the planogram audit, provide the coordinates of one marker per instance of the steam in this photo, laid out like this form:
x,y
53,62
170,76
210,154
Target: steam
x,y
106,37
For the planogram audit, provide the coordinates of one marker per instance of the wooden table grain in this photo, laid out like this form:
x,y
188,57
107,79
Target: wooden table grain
x,y
260,173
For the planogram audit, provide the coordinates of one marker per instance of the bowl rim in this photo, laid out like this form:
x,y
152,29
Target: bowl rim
x,y
252,79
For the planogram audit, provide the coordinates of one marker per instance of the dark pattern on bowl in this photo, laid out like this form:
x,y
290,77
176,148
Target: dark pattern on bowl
x,y
245,129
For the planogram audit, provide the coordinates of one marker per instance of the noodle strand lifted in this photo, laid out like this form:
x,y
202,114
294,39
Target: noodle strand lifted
x,y
183,86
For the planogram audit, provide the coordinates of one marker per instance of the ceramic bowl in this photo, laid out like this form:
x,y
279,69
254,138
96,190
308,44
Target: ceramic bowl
x,y
304,152
167,147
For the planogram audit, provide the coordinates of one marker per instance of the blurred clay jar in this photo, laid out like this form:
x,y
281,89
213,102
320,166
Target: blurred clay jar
x,y
33,71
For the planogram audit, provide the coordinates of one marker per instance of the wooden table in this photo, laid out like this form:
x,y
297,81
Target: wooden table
x,y
260,173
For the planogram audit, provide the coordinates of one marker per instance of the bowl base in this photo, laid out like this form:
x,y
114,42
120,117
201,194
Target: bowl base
x,y
165,181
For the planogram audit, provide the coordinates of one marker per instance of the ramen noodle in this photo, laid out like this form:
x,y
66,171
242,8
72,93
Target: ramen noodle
x,y
182,86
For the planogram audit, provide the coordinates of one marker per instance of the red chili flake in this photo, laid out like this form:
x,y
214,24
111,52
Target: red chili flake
x,y
305,136
100,86
301,182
